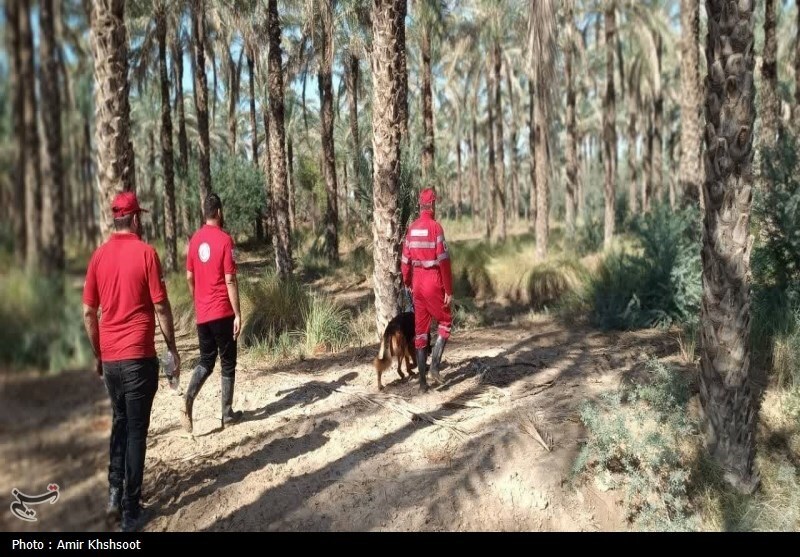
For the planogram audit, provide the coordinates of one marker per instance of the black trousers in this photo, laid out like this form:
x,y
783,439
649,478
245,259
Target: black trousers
x,y
131,386
216,337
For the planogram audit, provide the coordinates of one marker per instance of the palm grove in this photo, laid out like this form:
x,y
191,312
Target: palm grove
x,y
327,116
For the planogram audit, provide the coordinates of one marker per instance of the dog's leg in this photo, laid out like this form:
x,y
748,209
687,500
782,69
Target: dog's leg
x,y
399,365
380,386
408,364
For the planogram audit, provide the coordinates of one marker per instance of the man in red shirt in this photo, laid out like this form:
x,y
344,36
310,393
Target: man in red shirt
x,y
426,271
124,281
211,274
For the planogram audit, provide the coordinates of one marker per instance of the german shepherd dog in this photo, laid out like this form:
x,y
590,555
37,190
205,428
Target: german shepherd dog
x,y
398,344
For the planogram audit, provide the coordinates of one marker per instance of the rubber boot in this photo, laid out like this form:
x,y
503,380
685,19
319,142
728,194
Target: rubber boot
x,y
436,360
422,366
195,384
228,415
114,508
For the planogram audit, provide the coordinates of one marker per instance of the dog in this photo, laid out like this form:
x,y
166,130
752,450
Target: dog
x,y
398,343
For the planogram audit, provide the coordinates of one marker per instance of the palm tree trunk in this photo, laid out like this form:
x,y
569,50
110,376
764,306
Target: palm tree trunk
x,y
201,95
572,130
269,210
691,170
532,149
352,78
476,176
726,392
500,188
167,162
633,167
32,169
290,161
253,119
234,80
647,183
282,239
459,177
401,69
491,204
183,141
388,32
17,90
796,114
541,150
658,123
52,175
325,53
609,124
770,104
427,102
514,190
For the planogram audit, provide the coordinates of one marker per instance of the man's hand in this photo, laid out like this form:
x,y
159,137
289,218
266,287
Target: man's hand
x,y
237,327
448,299
98,367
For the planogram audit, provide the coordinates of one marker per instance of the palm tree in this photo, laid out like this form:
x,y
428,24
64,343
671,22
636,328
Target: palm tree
x,y
167,162
796,112
430,17
572,126
17,89
53,177
323,44
541,61
609,122
770,103
726,391
198,17
183,140
388,36
282,240
691,171
30,145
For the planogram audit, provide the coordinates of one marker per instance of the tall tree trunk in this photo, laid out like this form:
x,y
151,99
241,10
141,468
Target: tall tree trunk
x,y
214,97
400,66
427,102
796,114
459,177
269,211
388,45
609,124
33,179
183,141
542,154
282,239
726,392
572,129
234,80
167,162
770,103
658,124
514,104
253,119
52,175
491,197
352,78
691,170
500,187
201,95
532,149
325,54
155,229
633,167
290,160
476,176
17,89
647,183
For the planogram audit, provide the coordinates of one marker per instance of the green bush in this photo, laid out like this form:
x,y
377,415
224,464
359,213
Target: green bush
x,y
634,444
241,187
658,286
550,281
270,307
471,278
45,324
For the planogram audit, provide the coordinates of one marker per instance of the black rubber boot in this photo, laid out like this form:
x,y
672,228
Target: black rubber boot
x,y
114,508
436,360
195,384
422,367
228,415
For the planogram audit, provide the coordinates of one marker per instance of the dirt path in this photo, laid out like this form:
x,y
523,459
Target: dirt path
x,y
321,449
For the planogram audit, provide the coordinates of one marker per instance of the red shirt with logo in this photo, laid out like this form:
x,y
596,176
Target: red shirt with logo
x,y
124,280
210,257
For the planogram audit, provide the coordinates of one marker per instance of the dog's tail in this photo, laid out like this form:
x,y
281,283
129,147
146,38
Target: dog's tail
x,y
384,359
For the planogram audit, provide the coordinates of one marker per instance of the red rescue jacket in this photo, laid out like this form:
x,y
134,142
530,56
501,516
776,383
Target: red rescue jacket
x,y
425,248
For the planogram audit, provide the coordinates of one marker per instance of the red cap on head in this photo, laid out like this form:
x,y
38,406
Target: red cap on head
x,y
125,203
427,196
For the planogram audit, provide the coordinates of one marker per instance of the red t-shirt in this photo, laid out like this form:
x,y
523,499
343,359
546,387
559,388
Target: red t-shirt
x,y
124,280
210,257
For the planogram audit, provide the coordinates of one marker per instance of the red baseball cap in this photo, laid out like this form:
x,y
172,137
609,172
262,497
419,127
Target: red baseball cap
x,y
125,203
427,196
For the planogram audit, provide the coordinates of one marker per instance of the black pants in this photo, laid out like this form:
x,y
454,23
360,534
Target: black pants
x,y
216,337
131,386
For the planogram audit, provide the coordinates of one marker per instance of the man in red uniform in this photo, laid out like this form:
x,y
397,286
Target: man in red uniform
x,y
211,273
124,280
426,271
